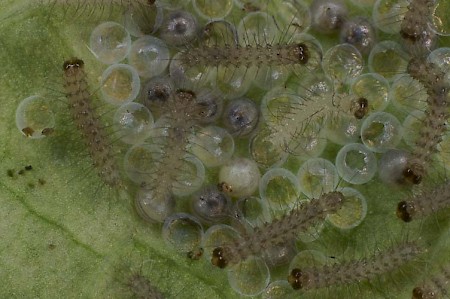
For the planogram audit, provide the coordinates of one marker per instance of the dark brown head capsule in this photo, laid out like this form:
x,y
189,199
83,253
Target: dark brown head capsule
x,y
28,131
361,108
218,259
412,177
73,63
296,279
418,293
195,254
408,36
302,53
404,210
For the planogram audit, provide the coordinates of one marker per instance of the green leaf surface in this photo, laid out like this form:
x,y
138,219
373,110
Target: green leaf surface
x,y
64,236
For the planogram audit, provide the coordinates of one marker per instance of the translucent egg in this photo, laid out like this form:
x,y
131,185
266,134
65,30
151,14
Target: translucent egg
x,y
388,59
311,142
317,176
156,92
241,175
190,176
212,9
356,164
190,77
149,56
219,33
256,28
265,151
153,207
252,210
412,126
374,89
343,62
280,188
291,14
328,15
280,254
388,15
408,94
35,117
381,131
234,81
440,19
249,277
110,42
360,33
241,117
179,28
140,161
218,235
133,123
120,84
142,20
269,77
213,145
441,58
352,212
308,259
211,205
210,105
182,232
344,129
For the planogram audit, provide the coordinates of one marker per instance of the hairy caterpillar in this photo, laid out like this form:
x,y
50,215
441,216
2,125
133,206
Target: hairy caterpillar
x,y
99,3
354,271
257,52
249,55
101,9
415,29
181,114
141,287
424,204
435,121
434,287
88,123
279,231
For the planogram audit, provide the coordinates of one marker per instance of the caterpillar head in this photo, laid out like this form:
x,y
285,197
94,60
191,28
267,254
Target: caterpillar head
x,y
73,63
296,279
412,176
420,293
405,211
360,108
218,258
301,51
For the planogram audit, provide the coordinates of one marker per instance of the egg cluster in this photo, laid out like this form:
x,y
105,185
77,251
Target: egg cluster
x,y
247,139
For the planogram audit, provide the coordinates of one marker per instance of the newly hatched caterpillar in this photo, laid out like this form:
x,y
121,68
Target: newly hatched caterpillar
x,y
278,232
181,114
248,55
104,3
73,9
141,287
354,271
424,204
435,121
251,55
435,287
88,122
415,29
